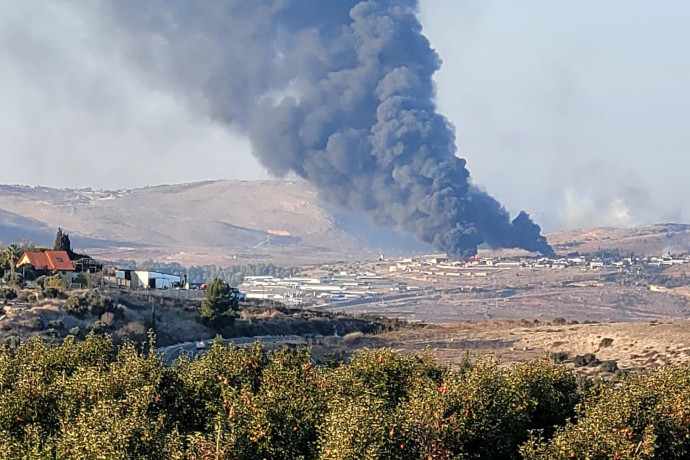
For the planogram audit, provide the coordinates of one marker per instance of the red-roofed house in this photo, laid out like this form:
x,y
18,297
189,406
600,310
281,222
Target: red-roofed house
x,y
49,262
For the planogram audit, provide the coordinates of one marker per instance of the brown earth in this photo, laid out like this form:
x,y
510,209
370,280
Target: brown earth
x,y
177,320
634,346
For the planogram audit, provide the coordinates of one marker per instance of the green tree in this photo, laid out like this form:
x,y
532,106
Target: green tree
x,y
646,416
53,287
62,242
11,255
220,304
82,280
14,279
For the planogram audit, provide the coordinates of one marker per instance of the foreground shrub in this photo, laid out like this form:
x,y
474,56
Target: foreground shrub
x,y
98,327
75,306
35,323
605,342
90,400
455,419
40,281
609,366
51,292
648,416
588,359
15,279
367,401
96,305
559,356
53,287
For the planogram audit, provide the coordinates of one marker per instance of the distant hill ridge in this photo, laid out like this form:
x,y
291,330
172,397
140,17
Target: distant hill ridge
x,y
221,219
281,221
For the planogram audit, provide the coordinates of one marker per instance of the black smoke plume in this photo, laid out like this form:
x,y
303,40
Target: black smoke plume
x,y
339,92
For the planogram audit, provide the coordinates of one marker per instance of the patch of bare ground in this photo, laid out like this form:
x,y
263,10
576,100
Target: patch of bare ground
x,y
633,346
176,320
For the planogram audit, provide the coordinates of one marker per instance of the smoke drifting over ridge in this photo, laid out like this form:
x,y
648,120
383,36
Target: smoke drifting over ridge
x,y
339,93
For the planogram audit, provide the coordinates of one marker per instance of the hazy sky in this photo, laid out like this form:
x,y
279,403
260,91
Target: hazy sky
x,y
574,111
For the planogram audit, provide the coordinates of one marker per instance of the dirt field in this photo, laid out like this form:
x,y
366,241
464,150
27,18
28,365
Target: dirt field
x,y
524,293
635,346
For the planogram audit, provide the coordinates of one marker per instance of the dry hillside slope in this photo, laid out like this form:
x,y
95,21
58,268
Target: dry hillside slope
x,y
231,222
206,222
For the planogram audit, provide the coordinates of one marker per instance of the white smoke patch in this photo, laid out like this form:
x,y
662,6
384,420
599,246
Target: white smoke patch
x,y
292,92
77,112
584,211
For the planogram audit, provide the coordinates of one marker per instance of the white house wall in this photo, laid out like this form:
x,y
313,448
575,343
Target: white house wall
x,y
140,278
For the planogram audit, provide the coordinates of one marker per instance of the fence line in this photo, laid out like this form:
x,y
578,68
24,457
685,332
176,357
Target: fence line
x,y
188,294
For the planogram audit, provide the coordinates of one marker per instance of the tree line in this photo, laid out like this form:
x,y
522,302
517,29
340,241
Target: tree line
x,y
91,399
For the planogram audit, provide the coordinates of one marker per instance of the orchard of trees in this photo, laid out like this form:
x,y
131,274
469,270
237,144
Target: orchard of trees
x,y
92,400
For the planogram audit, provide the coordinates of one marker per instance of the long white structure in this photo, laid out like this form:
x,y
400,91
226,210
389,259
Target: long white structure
x,y
146,279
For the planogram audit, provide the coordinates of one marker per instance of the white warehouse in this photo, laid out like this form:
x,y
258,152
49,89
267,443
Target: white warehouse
x,y
145,279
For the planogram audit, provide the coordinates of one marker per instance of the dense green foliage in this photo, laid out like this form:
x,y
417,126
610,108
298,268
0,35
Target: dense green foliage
x,y
10,257
648,416
62,242
219,305
233,275
80,305
90,400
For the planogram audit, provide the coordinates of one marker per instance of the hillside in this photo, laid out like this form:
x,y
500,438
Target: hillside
x,y
652,239
208,222
237,222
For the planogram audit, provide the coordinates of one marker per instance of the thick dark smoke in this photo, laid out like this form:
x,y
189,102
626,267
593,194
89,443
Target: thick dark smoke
x,y
339,92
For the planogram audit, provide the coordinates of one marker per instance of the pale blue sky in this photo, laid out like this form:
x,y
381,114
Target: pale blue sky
x,y
575,111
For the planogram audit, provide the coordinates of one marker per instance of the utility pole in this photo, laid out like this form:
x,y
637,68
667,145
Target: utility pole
x,y
153,313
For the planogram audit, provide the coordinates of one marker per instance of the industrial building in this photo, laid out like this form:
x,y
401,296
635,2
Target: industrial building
x,y
146,279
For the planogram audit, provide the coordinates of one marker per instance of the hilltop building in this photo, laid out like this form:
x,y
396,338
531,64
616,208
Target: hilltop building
x,y
49,263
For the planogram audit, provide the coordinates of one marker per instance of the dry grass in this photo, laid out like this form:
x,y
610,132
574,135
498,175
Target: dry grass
x,y
632,345
108,318
353,338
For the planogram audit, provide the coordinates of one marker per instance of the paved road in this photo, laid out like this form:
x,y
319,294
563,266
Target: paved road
x,y
172,352
388,298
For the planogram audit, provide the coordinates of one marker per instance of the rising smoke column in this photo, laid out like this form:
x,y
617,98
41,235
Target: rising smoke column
x,y
339,92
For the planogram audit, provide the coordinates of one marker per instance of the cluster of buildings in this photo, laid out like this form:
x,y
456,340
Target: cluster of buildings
x,y
478,267
307,290
347,285
59,263
667,260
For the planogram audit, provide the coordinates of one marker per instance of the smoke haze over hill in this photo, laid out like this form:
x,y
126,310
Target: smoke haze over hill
x,y
340,94
565,110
